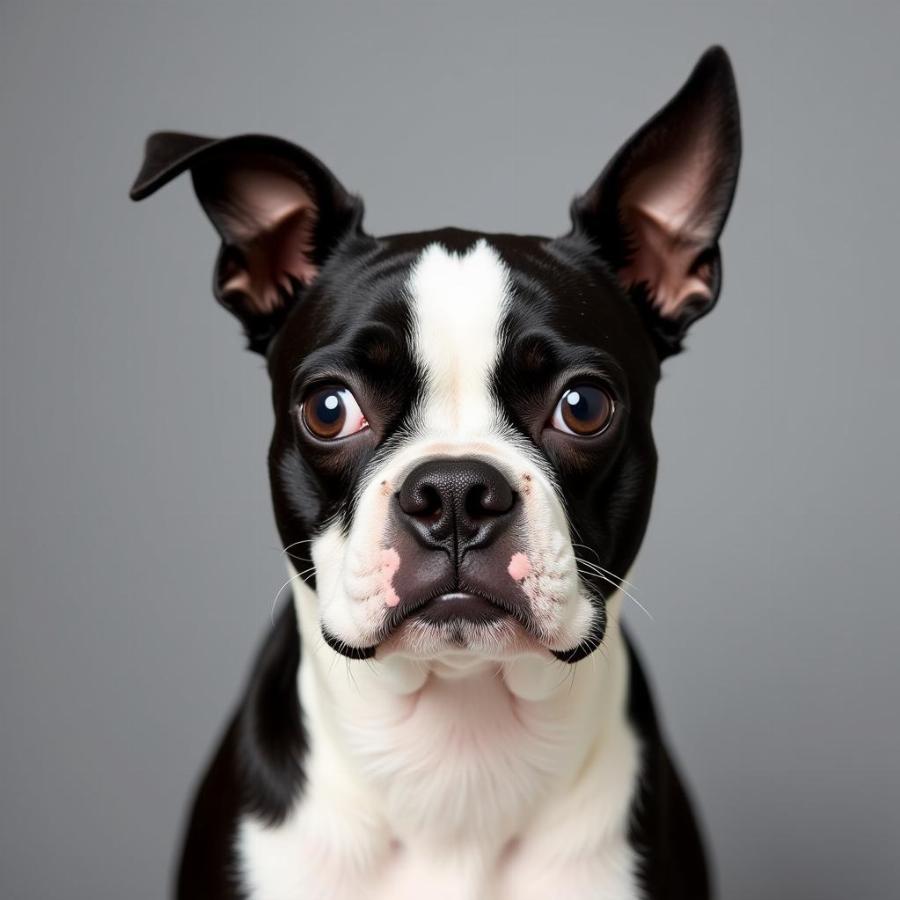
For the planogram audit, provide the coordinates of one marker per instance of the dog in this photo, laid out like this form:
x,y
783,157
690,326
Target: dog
x,y
462,468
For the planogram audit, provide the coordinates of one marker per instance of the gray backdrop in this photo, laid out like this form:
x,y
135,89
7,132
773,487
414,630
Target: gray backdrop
x,y
139,558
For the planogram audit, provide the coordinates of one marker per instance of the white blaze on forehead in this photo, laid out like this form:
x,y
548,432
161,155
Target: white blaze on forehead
x,y
458,302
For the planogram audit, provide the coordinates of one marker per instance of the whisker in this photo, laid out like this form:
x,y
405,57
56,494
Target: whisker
x,y
571,677
319,645
597,565
575,530
598,568
287,549
297,543
586,547
627,593
278,594
350,674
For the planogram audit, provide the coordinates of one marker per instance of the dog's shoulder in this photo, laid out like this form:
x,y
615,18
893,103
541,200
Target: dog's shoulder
x,y
664,831
256,769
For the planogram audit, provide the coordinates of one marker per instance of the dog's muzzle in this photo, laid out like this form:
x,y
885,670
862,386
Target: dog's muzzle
x,y
455,521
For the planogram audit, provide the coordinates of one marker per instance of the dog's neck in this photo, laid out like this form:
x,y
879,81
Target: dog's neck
x,y
460,750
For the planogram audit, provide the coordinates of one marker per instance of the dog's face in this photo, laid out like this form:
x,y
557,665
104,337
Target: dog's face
x,y
462,455
448,421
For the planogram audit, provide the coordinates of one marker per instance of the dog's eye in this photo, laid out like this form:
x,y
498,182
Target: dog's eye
x,y
332,412
584,410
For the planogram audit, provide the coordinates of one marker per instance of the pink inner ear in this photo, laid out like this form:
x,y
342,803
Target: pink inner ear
x,y
271,218
667,263
665,211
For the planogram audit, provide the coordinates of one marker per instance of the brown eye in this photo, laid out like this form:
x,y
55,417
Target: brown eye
x,y
583,410
332,412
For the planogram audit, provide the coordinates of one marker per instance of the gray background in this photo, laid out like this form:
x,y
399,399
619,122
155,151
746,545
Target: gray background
x,y
139,559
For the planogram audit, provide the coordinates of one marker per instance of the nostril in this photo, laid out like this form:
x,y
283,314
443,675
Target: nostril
x,y
422,500
484,500
474,502
430,505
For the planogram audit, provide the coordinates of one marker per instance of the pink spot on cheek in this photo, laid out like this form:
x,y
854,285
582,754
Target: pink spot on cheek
x,y
387,568
519,567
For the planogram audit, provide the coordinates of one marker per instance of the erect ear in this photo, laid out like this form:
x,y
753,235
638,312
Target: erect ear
x,y
657,210
278,210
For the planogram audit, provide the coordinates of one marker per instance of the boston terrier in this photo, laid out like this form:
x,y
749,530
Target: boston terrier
x,y
462,468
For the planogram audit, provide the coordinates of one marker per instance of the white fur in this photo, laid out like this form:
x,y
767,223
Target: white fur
x,y
460,787
458,304
490,772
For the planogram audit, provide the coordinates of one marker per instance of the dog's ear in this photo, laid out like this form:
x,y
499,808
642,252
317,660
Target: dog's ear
x,y
278,210
658,208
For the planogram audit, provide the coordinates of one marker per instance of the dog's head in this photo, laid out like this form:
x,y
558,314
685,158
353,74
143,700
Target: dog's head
x,y
462,454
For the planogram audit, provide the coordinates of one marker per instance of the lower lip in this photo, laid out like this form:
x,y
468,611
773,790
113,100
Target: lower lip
x,y
457,607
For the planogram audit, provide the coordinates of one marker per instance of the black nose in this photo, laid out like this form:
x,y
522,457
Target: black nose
x,y
456,504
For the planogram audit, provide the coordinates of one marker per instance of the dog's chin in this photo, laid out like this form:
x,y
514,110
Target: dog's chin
x,y
459,623
451,624
432,638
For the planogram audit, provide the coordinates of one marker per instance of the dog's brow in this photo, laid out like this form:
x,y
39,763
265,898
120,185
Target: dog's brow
x,y
542,358
372,351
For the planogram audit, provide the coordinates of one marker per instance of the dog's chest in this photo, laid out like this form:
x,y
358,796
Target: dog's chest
x,y
458,789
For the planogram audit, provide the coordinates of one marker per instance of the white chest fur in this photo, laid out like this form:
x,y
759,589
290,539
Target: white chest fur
x,y
467,781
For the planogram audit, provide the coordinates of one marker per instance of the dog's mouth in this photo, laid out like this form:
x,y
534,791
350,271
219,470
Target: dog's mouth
x,y
465,620
461,620
458,606
456,611
454,616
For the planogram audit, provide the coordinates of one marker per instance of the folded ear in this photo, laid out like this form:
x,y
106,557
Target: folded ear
x,y
278,210
657,210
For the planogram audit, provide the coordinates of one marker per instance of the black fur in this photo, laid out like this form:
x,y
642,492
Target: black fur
x,y
571,316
